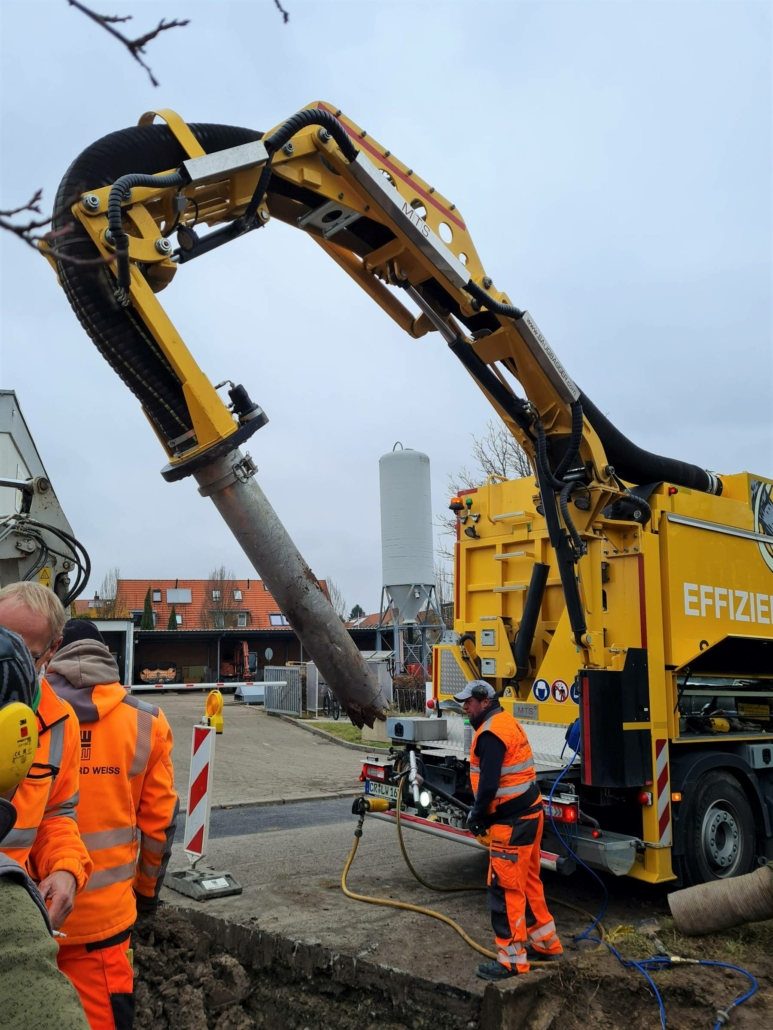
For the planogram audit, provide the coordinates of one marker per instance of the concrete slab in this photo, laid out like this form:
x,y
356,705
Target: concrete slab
x,y
291,887
259,759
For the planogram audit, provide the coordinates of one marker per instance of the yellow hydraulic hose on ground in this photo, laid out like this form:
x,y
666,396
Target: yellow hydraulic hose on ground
x,y
403,904
429,911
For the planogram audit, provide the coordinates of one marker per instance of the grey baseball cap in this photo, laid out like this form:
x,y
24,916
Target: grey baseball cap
x,y
478,689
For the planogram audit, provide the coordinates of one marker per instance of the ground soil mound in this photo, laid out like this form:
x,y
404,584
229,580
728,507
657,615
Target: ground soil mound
x,y
185,980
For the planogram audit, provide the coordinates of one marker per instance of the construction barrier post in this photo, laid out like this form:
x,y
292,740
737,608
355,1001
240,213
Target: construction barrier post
x,y
203,883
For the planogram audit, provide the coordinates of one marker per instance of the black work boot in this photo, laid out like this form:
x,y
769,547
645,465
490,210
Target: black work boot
x,y
494,971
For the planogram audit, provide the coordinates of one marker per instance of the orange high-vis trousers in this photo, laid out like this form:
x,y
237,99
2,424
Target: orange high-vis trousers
x,y
104,980
515,894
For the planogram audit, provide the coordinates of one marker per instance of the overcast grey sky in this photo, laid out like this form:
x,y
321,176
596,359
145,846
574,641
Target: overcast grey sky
x,y
613,163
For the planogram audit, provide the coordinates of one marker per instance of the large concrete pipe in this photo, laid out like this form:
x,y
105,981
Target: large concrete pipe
x,y
722,904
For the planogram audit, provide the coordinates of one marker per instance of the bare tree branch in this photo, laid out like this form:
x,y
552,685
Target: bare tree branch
x,y
40,242
337,599
497,453
134,46
282,11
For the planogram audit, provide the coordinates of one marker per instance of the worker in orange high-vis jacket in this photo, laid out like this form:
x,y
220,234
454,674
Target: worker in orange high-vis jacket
x,y
128,811
45,839
508,807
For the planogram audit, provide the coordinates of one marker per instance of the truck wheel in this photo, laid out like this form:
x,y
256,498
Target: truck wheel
x,y
719,830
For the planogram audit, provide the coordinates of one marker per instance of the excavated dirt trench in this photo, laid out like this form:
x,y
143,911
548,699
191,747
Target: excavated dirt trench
x,y
196,972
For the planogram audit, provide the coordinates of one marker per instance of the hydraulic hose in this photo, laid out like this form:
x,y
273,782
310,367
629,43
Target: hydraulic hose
x,y
405,906
119,194
283,135
515,407
575,439
496,306
580,547
422,881
311,116
528,626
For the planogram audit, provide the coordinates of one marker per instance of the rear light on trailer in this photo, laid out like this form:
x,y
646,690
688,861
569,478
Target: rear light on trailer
x,y
562,813
373,772
644,797
431,703
596,834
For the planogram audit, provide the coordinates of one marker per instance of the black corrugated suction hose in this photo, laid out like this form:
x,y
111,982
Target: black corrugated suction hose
x,y
631,463
635,465
118,333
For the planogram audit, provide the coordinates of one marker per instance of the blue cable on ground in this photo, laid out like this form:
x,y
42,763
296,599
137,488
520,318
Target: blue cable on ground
x,y
724,1014
573,853
642,967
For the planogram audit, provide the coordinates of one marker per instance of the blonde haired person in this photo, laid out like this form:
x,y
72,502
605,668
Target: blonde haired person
x,y
45,839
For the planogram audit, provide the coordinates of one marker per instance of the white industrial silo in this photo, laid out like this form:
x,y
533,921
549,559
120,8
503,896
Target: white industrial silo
x,y
407,556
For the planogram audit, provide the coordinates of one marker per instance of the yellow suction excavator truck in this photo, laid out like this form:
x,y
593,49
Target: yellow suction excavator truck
x,y
617,596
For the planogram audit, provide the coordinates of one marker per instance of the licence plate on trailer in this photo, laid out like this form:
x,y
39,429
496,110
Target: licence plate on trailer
x,y
385,790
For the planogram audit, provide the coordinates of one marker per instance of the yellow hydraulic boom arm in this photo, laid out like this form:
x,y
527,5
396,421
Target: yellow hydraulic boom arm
x,y
389,230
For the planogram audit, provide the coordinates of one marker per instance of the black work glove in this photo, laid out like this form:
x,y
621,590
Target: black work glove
x,y
476,823
146,906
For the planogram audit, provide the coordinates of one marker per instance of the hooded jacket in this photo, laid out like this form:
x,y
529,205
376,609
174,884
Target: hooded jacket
x,y
128,805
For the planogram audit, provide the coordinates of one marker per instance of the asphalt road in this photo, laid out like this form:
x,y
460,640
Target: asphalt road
x,y
242,822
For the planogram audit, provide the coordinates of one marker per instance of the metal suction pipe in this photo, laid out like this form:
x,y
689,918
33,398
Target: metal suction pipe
x,y
230,482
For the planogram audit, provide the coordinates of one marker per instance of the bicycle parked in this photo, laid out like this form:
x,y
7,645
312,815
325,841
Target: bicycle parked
x,y
330,705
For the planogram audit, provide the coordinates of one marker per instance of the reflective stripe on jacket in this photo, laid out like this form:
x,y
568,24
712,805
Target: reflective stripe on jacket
x,y
45,838
517,773
128,806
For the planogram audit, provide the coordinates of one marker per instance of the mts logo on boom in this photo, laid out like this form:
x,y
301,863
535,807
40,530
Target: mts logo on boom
x,y
721,602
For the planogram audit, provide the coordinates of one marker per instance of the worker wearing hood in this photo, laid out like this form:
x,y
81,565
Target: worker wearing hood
x,y
127,811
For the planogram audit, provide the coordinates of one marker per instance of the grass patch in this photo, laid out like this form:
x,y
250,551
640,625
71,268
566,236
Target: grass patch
x,y
753,942
352,734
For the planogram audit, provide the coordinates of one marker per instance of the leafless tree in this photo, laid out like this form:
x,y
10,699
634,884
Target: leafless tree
x,y
28,230
496,453
444,583
220,606
136,47
29,227
109,603
337,599
282,11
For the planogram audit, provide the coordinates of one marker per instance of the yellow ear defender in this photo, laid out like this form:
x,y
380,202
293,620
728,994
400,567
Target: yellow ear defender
x,y
18,743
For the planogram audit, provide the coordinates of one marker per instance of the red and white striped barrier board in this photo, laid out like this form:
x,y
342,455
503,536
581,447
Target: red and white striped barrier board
x,y
199,792
663,787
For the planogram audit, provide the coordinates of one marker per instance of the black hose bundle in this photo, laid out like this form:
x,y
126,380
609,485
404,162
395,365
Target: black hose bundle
x,y
283,135
483,300
548,478
118,332
120,194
